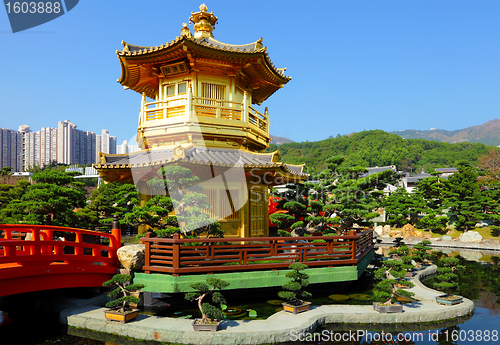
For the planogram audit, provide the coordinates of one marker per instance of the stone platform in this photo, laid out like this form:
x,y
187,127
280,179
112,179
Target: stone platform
x,y
278,328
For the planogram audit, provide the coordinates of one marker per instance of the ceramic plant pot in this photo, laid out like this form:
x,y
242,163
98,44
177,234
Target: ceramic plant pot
x,y
449,300
210,327
113,315
295,309
395,308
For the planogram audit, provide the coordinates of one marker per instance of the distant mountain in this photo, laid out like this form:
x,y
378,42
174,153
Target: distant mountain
x,y
487,133
279,140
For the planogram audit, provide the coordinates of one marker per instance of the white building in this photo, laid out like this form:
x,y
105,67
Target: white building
x,y
75,146
122,148
23,149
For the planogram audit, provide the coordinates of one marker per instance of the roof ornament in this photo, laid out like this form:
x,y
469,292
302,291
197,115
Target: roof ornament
x,y
125,47
203,22
258,44
185,32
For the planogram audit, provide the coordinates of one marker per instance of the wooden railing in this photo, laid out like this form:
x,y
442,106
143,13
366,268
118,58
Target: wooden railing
x,y
43,245
182,256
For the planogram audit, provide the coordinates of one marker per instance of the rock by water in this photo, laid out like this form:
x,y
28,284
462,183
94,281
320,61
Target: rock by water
x,y
132,257
471,237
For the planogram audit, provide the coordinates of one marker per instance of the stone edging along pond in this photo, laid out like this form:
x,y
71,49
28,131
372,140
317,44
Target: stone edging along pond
x,y
277,328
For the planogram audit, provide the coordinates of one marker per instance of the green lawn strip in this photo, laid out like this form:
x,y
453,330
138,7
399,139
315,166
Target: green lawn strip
x,y
485,232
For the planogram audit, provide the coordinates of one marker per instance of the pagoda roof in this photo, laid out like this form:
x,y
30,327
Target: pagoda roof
x,y
205,41
140,64
200,156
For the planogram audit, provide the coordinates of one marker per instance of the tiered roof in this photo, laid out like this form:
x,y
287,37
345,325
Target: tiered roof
x,y
140,65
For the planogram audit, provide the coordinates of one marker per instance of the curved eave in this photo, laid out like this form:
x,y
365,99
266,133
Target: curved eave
x,y
131,57
218,158
281,170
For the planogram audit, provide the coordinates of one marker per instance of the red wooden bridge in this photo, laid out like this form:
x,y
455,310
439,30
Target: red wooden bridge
x,y
42,257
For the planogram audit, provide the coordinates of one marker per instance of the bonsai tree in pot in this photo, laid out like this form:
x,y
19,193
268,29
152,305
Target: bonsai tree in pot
x,y
402,254
123,290
209,311
391,285
399,251
419,253
295,289
448,280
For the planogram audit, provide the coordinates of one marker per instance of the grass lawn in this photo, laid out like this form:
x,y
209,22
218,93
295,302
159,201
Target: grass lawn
x,y
486,232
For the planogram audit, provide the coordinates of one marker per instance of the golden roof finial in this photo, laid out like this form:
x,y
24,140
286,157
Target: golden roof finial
x,y
203,22
185,32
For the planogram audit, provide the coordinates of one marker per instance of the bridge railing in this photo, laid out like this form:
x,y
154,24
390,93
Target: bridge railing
x,y
184,256
44,244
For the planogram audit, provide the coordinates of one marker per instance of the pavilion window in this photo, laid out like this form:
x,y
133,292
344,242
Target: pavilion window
x,y
213,92
222,206
170,90
230,203
181,88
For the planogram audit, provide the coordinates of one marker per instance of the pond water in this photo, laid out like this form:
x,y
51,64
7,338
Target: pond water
x,y
262,303
480,282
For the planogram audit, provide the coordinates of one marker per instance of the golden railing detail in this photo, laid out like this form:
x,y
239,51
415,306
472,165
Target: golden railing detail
x,y
257,119
204,107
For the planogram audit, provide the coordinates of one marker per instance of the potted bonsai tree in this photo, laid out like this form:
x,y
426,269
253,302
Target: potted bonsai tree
x,y
402,253
295,289
391,285
419,253
211,314
448,280
122,311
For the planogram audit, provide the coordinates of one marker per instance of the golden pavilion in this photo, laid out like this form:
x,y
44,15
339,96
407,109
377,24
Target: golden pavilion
x,y
197,112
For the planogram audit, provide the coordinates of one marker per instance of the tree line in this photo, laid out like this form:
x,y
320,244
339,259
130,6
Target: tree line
x,y
379,148
344,196
57,198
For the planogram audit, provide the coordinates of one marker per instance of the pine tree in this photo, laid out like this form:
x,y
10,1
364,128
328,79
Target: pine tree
x,y
342,198
432,203
209,310
123,290
447,275
419,253
183,209
295,287
55,194
391,279
400,206
463,197
106,201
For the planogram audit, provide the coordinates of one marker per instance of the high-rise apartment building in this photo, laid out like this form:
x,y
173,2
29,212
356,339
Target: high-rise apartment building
x,y
105,143
75,146
23,149
122,148
66,132
11,149
48,146
112,144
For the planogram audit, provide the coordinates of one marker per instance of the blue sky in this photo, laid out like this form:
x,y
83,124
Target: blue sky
x,y
355,64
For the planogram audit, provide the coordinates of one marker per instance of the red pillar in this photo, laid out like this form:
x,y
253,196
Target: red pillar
x,y
116,231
